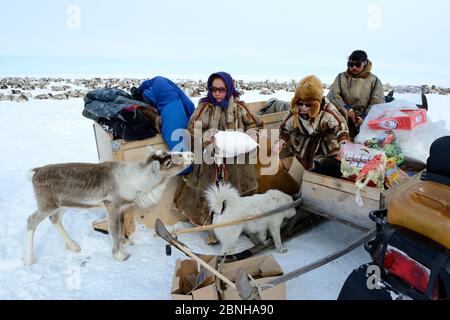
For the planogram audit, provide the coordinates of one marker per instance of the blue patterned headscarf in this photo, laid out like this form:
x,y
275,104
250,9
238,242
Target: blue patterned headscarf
x,y
231,90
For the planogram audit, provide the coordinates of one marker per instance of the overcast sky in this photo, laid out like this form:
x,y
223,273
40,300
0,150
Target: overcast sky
x,y
407,40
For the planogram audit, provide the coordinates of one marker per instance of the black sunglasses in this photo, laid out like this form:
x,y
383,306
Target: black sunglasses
x,y
220,90
301,104
354,64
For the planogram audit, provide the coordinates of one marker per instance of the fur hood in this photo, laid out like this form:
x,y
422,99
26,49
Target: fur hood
x,y
364,74
309,90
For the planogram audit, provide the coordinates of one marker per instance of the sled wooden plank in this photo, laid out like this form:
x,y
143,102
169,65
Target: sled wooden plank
x,y
273,120
336,218
256,106
336,197
103,142
155,140
129,225
342,185
338,203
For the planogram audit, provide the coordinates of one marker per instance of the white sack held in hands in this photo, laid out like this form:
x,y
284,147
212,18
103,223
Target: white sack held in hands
x,y
231,144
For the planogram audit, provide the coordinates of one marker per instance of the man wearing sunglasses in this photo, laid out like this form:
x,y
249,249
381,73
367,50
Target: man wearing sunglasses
x,y
356,90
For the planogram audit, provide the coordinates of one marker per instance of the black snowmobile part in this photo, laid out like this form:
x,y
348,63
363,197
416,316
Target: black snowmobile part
x,y
424,104
427,252
390,97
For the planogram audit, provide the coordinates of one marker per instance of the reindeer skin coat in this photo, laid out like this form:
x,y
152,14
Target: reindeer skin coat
x,y
189,197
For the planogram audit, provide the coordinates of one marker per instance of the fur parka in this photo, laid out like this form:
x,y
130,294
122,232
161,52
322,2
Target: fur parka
x,y
358,92
189,197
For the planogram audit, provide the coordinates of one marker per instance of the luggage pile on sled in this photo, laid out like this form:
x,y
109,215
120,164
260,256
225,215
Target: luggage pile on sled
x,y
122,114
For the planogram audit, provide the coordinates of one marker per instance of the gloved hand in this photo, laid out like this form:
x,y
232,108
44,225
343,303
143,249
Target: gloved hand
x,y
278,146
208,137
359,121
352,116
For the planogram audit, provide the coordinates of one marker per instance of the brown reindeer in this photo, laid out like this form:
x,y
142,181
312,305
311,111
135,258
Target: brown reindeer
x,y
115,185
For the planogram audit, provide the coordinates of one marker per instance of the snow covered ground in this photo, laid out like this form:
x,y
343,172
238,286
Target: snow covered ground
x,y
42,132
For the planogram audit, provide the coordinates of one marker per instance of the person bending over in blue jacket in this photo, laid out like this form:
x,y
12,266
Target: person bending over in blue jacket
x,y
175,109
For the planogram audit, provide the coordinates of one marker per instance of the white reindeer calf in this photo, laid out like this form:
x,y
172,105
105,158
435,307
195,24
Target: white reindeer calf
x,y
115,185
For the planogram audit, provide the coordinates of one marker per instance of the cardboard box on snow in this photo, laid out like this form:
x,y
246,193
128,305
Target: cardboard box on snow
x,y
193,282
262,269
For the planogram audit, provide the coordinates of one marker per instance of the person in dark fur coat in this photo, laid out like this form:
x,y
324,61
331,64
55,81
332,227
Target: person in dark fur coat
x,y
314,126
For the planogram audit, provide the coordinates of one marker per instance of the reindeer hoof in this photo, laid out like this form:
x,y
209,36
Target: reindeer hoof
x,y
28,261
121,255
73,246
211,239
282,249
126,242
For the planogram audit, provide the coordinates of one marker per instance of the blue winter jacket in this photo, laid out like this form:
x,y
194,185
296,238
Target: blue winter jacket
x,y
174,106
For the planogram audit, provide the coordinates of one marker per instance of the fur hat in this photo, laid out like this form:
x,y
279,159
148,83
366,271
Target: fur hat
x,y
310,90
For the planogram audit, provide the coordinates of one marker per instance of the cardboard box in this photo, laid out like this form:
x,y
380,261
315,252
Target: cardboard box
x,y
399,120
262,269
193,282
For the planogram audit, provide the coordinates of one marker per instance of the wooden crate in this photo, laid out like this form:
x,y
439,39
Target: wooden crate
x,y
132,151
335,198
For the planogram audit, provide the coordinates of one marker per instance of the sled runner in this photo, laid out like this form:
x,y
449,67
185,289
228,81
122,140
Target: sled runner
x,y
299,223
247,291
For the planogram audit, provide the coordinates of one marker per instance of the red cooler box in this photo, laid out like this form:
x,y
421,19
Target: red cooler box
x,y
405,119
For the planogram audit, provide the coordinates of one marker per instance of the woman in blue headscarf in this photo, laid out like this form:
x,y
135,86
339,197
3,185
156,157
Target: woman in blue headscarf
x,y
220,110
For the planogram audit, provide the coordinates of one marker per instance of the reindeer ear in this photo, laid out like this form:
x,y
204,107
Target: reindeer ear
x,y
155,166
149,156
150,151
